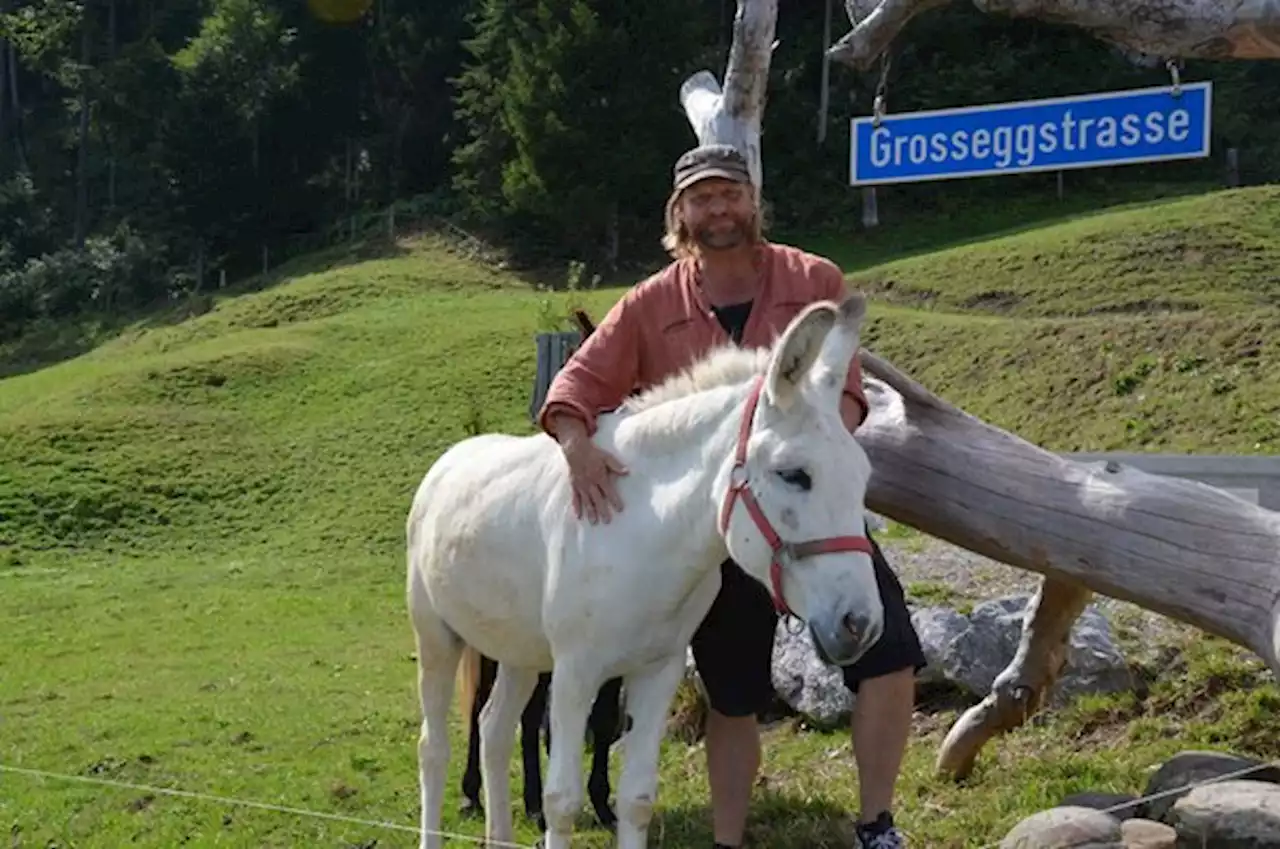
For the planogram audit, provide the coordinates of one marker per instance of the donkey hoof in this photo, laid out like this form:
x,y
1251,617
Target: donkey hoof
x,y
471,808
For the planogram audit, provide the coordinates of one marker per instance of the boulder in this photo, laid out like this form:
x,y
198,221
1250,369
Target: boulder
x,y
972,650
1171,780
1066,828
1122,806
807,685
1232,814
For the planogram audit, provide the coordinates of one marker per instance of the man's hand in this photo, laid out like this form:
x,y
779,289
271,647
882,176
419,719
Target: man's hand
x,y
591,471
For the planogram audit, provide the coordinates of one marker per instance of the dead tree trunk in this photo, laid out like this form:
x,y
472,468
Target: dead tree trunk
x,y
1174,546
1170,29
732,115
1177,547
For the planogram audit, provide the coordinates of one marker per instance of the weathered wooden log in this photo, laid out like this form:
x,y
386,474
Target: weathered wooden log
x,y
1174,546
1169,29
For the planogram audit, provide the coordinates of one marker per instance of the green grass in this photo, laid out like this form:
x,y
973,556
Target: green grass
x,y
905,231
201,566
1182,254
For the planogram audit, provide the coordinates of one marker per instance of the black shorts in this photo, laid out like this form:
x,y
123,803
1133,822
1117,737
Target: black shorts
x,y
733,646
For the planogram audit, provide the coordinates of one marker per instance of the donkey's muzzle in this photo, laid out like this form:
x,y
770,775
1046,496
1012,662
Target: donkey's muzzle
x,y
844,637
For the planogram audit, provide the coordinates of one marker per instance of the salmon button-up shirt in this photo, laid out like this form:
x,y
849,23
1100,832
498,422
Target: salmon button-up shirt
x,y
665,323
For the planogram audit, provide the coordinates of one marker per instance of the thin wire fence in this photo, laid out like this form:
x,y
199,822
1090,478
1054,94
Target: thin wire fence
x,y
248,803
1173,791
302,812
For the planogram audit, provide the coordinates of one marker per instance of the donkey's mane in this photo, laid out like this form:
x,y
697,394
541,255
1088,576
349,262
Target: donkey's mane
x,y
726,365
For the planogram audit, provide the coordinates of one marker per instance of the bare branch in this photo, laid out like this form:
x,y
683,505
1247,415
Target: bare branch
x,y
747,74
1024,685
876,23
1170,29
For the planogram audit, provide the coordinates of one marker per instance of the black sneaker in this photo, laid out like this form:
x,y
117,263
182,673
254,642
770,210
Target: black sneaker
x,y
881,834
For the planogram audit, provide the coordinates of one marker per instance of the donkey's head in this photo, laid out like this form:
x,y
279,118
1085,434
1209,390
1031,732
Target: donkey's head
x,y
792,513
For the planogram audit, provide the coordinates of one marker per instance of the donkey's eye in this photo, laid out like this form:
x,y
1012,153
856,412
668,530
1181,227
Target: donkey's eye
x,y
797,477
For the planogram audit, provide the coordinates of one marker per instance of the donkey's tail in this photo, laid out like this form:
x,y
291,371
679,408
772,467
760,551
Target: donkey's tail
x,y
468,681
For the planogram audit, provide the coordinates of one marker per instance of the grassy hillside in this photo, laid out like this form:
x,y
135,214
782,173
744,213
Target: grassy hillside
x,y
1150,327
1176,255
201,522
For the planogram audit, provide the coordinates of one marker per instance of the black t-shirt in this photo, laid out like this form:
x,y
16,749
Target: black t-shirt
x,y
733,318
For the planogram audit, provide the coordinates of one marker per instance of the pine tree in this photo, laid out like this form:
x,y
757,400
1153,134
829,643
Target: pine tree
x,y
569,104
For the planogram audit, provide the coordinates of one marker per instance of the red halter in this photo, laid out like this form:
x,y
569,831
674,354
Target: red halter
x,y
739,488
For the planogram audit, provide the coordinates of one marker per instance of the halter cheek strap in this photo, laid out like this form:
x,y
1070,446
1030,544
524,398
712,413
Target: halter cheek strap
x,y
739,488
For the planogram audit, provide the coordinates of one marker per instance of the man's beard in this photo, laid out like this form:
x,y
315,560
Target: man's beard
x,y
723,237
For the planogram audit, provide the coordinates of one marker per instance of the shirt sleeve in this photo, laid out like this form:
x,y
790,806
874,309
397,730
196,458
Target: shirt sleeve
x,y
832,286
602,372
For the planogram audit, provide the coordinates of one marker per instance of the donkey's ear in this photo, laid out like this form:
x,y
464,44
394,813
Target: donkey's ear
x,y
796,352
840,347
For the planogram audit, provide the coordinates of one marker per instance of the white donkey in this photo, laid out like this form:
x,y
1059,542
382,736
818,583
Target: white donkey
x,y
743,455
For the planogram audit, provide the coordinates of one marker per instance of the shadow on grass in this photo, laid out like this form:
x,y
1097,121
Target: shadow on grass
x,y
914,235
900,237
326,259
777,820
47,343
555,276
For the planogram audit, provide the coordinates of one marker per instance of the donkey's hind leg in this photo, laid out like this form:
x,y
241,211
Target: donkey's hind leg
x,y
605,726
497,743
471,804
530,751
439,650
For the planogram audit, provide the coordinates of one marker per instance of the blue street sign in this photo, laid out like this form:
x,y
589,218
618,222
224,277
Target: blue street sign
x,y
1083,131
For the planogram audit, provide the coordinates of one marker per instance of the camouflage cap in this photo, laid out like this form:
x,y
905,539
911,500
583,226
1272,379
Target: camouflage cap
x,y
711,160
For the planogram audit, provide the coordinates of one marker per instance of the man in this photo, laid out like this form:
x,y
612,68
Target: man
x,y
728,283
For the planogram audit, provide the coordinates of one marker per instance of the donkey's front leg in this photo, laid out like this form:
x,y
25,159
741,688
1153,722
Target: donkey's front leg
x,y
572,692
497,741
648,696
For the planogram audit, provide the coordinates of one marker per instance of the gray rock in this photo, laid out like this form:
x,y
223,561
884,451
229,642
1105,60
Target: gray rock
x,y
939,628
1065,828
966,651
1194,767
1233,814
1122,806
1094,664
1148,834
972,651
810,687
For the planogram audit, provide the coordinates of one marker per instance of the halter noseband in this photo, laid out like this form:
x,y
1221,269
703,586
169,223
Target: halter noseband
x,y
739,487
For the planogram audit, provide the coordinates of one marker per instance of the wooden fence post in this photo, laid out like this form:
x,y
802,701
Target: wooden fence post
x,y
553,351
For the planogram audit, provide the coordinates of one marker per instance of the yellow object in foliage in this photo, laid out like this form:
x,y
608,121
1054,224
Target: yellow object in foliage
x,y
339,11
